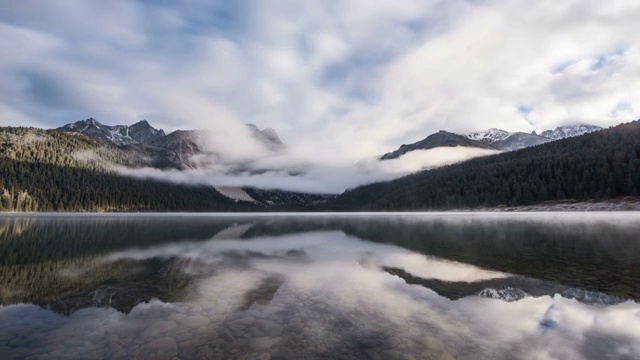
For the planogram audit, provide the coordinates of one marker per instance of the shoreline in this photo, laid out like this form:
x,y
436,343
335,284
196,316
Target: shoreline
x,y
620,204
628,203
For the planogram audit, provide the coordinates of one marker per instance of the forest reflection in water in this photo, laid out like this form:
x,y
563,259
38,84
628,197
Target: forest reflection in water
x,y
321,286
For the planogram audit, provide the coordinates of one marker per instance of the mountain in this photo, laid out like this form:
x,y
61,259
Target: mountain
x,y
519,140
181,145
489,136
508,141
142,132
594,166
52,170
267,136
175,150
563,132
71,170
138,133
287,198
439,139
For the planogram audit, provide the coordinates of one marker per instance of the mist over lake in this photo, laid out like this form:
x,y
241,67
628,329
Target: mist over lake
x,y
325,286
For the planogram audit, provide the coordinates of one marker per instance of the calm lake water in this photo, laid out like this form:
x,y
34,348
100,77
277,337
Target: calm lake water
x,y
385,286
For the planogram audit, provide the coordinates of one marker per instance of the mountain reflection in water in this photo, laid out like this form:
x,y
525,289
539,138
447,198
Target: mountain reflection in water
x,y
443,286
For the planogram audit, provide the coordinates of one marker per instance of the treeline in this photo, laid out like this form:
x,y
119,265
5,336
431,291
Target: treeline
x,y
63,149
46,187
595,166
280,200
38,145
47,170
42,285
29,240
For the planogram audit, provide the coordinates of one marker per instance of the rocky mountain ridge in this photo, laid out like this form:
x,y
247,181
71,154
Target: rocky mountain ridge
x,y
494,139
143,133
51,170
521,140
567,131
596,166
176,149
439,139
139,133
489,136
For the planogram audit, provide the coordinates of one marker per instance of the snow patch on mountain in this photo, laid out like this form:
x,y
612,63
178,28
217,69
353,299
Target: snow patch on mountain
x,y
118,135
489,136
235,193
520,140
563,132
509,141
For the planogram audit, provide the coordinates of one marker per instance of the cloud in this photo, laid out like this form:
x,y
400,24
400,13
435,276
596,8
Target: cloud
x,y
286,171
336,290
346,270
417,160
339,80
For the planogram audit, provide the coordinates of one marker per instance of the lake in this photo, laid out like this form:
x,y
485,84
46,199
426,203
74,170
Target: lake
x,y
320,286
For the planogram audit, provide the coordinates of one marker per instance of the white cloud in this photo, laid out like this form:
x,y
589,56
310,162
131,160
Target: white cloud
x,y
339,80
347,270
338,275
428,159
312,177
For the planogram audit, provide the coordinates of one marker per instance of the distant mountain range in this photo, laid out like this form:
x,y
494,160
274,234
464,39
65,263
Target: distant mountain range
x,y
596,165
439,139
563,132
507,141
143,133
178,148
71,169
494,139
118,135
174,150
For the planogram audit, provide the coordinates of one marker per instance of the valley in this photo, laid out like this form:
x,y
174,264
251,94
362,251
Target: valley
x,y
74,168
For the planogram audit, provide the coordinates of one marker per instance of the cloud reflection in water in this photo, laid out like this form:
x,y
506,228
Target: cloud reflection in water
x,y
324,294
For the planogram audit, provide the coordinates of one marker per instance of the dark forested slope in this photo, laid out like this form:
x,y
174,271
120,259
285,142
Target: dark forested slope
x,y
599,165
48,170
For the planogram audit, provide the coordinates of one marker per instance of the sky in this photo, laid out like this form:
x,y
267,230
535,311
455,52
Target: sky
x,y
347,79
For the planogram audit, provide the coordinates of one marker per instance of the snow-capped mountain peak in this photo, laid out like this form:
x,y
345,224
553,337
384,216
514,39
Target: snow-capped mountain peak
x,y
138,133
506,140
567,131
489,136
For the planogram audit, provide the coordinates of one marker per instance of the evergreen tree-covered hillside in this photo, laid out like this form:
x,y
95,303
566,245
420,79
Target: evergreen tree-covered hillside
x,y
34,145
596,166
67,149
47,170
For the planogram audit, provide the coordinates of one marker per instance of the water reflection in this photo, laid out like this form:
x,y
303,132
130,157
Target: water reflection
x,y
437,286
